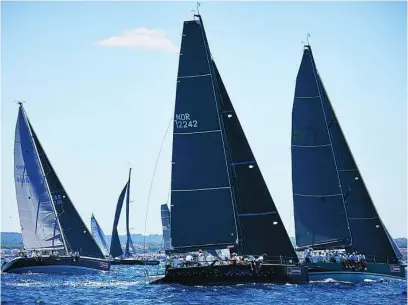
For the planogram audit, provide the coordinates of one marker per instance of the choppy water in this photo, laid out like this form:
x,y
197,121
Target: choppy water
x,y
127,285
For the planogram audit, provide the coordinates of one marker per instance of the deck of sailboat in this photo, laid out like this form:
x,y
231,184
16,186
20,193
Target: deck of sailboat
x,y
234,274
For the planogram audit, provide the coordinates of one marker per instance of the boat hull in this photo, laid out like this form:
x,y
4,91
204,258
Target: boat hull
x,y
336,271
234,274
135,262
64,264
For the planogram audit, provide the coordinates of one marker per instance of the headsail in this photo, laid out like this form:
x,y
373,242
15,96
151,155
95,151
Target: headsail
x,y
165,217
261,228
202,210
332,204
76,234
115,247
99,236
38,220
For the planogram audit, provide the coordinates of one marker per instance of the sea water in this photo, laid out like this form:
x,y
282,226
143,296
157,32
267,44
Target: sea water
x,y
128,285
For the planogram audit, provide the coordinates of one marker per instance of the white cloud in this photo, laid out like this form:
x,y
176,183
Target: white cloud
x,y
140,38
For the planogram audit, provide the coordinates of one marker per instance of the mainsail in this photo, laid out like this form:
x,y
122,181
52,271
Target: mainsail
x,y
99,236
115,247
165,217
75,234
129,241
219,197
202,207
331,203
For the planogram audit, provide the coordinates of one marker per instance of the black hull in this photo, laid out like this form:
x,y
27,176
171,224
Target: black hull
x,y
135,262
336,271
235,274
63,264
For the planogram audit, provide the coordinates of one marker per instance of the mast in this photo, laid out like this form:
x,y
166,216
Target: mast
x,y
43,174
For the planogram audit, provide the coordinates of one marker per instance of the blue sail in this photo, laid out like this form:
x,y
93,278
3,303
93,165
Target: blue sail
x,y
38,220
332,204
165,218
115,247
261,228
202,211
74,231
99,236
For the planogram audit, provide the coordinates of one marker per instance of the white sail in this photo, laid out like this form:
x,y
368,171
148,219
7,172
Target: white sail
x,y
38,220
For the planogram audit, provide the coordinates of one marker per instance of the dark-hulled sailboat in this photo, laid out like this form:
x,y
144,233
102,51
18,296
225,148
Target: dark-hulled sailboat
x,y
116,252
219,198
332,206
55,238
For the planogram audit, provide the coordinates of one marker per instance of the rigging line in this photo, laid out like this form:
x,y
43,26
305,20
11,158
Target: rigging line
x,y
151,185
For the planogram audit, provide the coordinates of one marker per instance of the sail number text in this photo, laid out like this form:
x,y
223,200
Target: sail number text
x,y
183,120
57,199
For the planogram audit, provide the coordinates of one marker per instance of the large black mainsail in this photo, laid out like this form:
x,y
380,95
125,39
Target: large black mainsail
x,y
202,208
219,197
62,217
331,203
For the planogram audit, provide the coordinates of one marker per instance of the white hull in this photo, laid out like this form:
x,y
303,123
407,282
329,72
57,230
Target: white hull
x,y
349,276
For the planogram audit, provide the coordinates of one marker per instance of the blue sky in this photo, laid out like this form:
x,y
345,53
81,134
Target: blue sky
x,y
101,98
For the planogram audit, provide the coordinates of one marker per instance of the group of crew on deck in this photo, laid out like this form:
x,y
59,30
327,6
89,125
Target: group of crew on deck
x,y
193,260
38,255
352,260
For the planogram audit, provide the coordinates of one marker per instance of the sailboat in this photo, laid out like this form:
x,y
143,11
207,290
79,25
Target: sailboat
x,y
219,199
165,217
332,207
99,236
116,252
55,238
